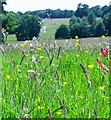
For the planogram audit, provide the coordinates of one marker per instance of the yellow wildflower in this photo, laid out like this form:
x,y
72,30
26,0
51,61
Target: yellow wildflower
x,y
41,57
101,87
22,45
77,44
77,41
25,42
38,48
90,66
40,107
103,36
8,77
65,83
87,51
59,112
76,37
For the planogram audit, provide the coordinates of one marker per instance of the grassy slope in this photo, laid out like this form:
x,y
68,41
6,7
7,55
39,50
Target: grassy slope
x,y
51,26
11,38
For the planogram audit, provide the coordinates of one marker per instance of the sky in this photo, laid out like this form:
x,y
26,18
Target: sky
x,y
31,5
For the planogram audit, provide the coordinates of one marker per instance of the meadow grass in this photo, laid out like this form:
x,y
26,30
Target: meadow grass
x,y
51,27
11,38
38,82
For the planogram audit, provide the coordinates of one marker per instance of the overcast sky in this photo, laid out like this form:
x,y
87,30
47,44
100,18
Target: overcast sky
x,y
31,5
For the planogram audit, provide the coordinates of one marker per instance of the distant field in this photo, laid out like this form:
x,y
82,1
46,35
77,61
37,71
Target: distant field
x,y
50,25
11,38
48,32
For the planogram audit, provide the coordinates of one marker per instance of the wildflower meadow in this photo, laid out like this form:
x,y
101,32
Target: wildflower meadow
x,y
52,81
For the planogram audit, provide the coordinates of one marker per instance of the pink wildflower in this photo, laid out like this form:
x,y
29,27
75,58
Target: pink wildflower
x,y
102,66
104,52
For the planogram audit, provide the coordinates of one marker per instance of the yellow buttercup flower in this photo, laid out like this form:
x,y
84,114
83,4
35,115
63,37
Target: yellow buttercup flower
x,y
65,83
103,36
41,57
22,45
87,51
8,77
77,41
101,87
59,112
26,42
76,37
77,44
40,107
38,48
90,66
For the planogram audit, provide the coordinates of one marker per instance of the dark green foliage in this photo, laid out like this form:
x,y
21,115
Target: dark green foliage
x,y
28,27
90,22
82,10
53,13
79,27
9,22
75,30
62,32
97,11
74,20
91,18
100,29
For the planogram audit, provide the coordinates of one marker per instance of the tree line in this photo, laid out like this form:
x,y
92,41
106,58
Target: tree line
x,y
84,22
87,22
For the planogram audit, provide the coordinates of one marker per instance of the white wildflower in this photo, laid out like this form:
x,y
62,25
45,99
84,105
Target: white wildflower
x,y
31,71
33,59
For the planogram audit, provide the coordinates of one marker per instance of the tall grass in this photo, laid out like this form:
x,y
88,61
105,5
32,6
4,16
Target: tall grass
x,y
42,82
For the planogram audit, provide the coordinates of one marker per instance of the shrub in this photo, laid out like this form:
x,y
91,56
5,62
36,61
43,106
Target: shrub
x,y
62,32
28,27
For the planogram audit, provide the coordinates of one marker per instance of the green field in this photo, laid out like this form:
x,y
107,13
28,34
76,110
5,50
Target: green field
x,y
54,78
11,38
39,82
51,26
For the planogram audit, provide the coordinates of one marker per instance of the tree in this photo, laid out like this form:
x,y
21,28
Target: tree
x,y
74,20
62,32
92,22
100,29
97,11
82,10
91,18
9,22
18,15
75,30
28,27
107,23
105,10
